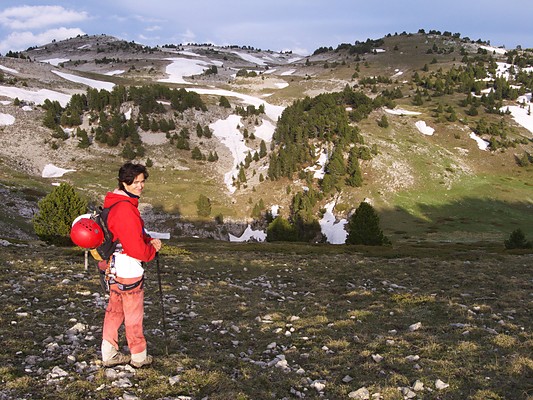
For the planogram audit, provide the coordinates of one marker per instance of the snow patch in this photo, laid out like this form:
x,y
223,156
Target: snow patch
x,y
424,129
250,58
181,67
401,111
265,131
51,171
226,130
115,72
319,167
273,112
397,73
55,61
289,72
334,230
86,81
522,113
481,144
248,234
37,97
497,50
6,119
13,71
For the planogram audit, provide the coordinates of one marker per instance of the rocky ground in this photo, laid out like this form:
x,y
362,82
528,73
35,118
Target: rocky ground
x,y
254,322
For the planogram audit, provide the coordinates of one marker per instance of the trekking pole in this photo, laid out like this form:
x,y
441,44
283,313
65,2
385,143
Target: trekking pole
x,y
161,298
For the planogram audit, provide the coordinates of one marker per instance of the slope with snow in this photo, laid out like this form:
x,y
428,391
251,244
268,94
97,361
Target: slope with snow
x,y
51,171
86,81
228,134
10,70
37,97
6,119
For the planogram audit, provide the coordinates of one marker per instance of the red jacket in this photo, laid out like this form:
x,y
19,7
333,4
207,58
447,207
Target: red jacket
x,y
126,224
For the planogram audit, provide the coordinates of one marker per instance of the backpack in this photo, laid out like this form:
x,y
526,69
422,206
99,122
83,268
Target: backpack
x,y
105,250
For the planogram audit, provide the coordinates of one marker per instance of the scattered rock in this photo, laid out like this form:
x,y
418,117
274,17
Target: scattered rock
x,y
440,385
347,379
415,327
319,386
418,386
360,394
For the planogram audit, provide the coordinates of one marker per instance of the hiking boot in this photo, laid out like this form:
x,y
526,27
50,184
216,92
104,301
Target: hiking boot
x,y
117,359
138,364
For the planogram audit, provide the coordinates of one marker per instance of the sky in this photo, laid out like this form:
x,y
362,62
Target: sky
x,y
300,26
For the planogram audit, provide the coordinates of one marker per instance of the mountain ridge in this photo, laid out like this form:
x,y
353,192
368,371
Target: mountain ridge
x,y
406,162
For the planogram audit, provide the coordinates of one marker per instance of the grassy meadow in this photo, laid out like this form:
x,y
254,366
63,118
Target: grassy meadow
x,y
279,321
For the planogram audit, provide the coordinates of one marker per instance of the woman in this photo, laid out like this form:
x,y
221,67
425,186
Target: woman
x,y
126,294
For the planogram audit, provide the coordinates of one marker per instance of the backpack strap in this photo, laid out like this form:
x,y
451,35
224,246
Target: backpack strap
x,y
106,249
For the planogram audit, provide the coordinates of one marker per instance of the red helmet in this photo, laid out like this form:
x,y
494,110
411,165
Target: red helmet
x,y
86,233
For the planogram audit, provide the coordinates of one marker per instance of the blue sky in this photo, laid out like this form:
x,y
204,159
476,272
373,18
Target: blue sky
x,y
298,25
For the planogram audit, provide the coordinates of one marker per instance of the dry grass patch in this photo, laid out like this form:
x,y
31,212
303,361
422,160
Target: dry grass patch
x,y
257,322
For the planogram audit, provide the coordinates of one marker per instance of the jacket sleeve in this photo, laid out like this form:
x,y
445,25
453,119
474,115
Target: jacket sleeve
x,y
128,227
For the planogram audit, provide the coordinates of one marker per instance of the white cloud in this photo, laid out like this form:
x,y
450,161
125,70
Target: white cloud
x,y
17,41
153,28
188,36
35,17
148,20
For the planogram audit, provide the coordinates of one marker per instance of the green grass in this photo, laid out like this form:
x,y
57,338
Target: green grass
x,y
454,191
226,304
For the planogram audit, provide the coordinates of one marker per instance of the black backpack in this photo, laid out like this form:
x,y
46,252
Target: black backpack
x,y
108,246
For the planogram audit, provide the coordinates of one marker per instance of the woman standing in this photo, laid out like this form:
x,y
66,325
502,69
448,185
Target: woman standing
x,y
126,294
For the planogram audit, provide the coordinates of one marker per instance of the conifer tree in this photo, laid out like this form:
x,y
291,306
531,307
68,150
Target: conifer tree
x,y
203,206
280,229
199,130
242,175
196,154
127,152
363,227
517,240
355,178
56,213
84,139
224,102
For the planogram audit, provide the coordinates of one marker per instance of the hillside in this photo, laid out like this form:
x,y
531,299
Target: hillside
x,y
448,163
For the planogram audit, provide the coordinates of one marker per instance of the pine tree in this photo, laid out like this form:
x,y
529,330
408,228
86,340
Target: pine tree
x,y
56,213
203,206
355,178
199,130
127,152
262,149
242,175
517,240
383,122
196,154
363,227
224,102
281,230
84,139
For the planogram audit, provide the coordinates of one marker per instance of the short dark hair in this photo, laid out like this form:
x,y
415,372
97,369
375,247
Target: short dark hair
x,y
128,172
